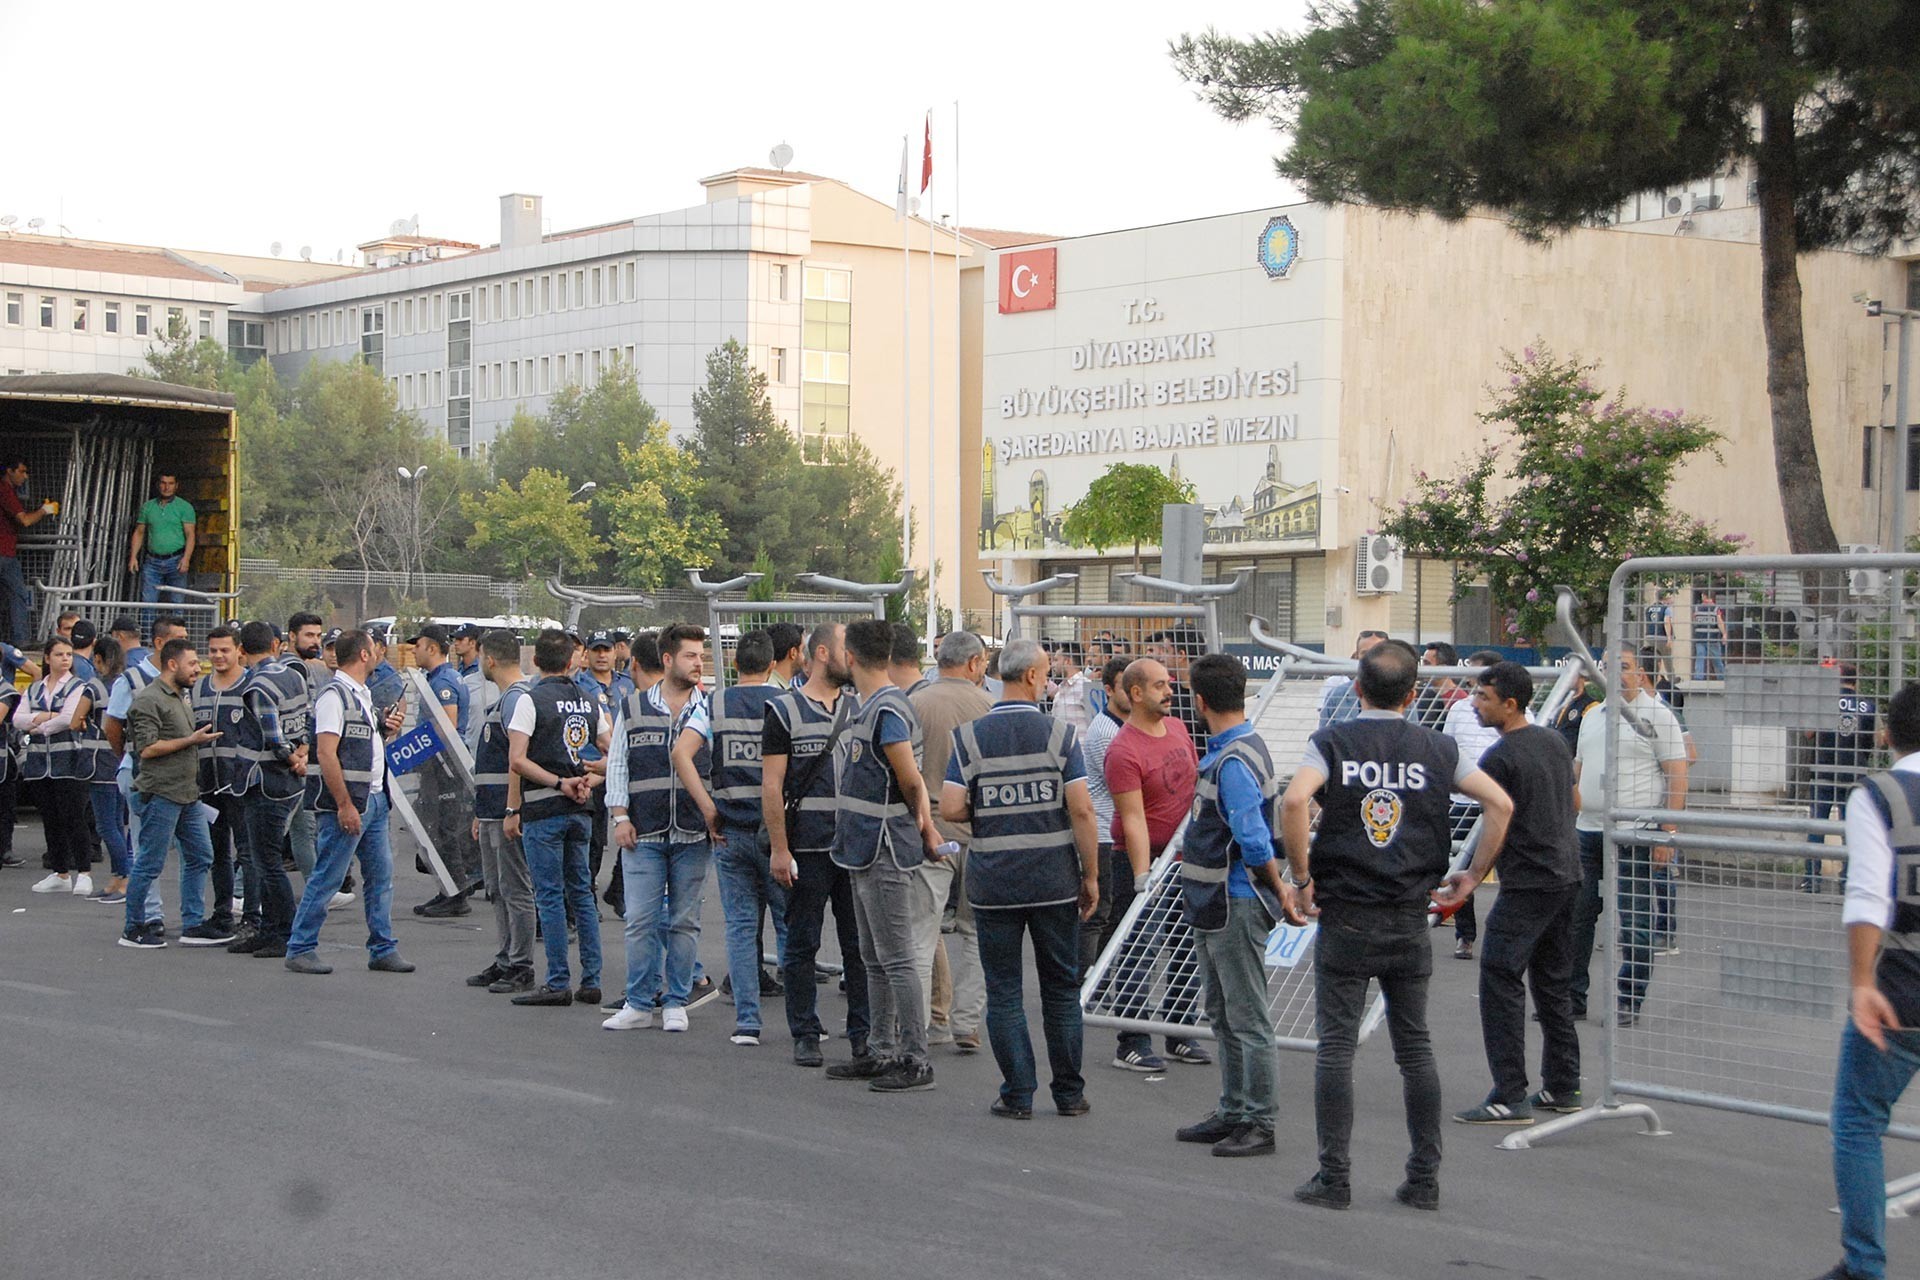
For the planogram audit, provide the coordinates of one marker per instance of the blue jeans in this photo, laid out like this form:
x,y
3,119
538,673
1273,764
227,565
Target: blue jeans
x,y
16,603
162,821
1709,659
110,821
1056,959
746,884
1234,972
334,850
664,879
1636,897
1864,1092
123,784
556,850
1827,796
157,572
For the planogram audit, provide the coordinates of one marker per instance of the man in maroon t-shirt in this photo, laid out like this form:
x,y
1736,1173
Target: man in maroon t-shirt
x,y
1151,770
15,599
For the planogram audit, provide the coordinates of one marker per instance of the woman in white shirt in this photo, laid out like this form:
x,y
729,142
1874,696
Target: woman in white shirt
x,y
49,717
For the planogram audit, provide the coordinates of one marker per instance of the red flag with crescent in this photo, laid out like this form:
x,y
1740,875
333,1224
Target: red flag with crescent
x,y
1027,280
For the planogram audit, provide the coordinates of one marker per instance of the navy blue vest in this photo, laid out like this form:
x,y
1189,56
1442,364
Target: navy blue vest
x,y
1897,797
565,721
9,703
1384,838
1013,761
224,709
739,718
490,775
873,815
1208,851
359,739
286,690
809,814
53,755
98,762
656,802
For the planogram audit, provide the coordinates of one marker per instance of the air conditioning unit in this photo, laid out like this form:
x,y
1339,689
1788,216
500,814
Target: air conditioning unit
x,y
1864,582
1703,203
1675,204
1379,566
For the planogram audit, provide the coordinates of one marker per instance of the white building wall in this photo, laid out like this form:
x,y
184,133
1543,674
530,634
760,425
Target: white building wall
x,y
26,347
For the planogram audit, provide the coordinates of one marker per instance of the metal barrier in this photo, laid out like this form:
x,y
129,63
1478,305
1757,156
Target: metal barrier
x,y
1776,667
1147,980
579,599
1114,629
201,611
728,620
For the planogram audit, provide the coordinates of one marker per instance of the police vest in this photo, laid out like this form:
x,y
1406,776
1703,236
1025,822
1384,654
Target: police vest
x,y
9,703
286,690
656,802
564,721
223,709
52,755
1384,838
98,761
1209,850
1013,761
810,812
873,816
359,739
1897,797
490,768
739,717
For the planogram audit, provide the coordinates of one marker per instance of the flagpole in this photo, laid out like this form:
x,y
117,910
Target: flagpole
x,y
959,332
933,403
906,365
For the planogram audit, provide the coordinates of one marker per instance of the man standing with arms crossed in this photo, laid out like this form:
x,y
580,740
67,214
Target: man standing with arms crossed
x,y
1530,929
1017,774
350,744
1382,848
496,793
798,797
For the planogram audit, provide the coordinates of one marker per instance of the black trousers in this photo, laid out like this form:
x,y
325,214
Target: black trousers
x,y
9,804
1358,944
225,833
821,884
265,824
1529,941
64,806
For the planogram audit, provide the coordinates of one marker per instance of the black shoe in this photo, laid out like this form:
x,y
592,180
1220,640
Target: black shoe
x,y
589,996
906,1077
1247,1140
1190,1053
1210,1130
1516,1115
1319,1192
1624,1016
487,976
1074,1107
806,1052
770,986
1560,1103
1007,1111
270,949
9,862
512,980
546,995
445,908
726,988
427,906
205,935
390,963
867,1066
246,944
142,939
1419,1195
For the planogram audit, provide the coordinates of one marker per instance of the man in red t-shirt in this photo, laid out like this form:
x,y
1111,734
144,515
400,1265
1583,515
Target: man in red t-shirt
x,y
1151,770
15,599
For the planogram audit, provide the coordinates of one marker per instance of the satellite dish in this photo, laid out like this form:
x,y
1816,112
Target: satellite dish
x,y
34,224
398,227
7,220
413,225
339,255
274,248
781,156
306,253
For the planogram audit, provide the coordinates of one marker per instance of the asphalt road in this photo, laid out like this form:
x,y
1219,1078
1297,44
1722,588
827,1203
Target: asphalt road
x,y
191,1113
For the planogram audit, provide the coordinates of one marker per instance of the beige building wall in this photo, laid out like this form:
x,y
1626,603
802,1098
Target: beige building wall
x,y
1429,307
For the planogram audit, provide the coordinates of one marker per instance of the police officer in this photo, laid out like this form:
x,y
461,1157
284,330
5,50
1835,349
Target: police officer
x,y
547,737
496,789
384,684
446,806
1841,756
1033,868
306,638
609,688
1382,848
273,746
347,740
481,694
1880,1046
797,802
217,705
727,731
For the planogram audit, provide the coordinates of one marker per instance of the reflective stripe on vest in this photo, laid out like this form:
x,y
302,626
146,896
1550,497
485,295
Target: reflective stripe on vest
x,y
564,722
52,755
873,817
808,726
359,738
1897,974
1209,851
223,709
739,718
656,802
490,772
1022,853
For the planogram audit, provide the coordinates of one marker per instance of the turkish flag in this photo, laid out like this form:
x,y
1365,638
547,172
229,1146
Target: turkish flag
x,y
1028,280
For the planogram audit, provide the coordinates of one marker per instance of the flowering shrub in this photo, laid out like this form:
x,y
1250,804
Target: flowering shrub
x,y
1577,487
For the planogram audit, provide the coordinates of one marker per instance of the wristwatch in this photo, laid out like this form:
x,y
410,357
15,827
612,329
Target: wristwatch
x,y
619,818
1286,878
512,812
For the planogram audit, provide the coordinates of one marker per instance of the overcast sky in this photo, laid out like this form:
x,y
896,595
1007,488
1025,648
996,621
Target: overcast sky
x,y
214,125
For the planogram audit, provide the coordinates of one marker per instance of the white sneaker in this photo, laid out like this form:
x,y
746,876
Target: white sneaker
x,y
632,1019
239,905
674,1019
339,900
83,884
55,883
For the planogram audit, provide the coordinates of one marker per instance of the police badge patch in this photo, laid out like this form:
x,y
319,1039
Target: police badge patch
x,y
1380,812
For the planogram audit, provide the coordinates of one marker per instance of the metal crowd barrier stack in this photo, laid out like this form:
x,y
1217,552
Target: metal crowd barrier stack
x,y
201,611
728,620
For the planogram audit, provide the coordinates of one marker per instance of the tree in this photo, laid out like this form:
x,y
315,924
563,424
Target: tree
x,y
1586,487
532,526
749,468
185,361
1123,505
1554,111
662,523
857,525
581,438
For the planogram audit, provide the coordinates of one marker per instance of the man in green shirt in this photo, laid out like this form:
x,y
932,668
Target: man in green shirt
x,y
164,532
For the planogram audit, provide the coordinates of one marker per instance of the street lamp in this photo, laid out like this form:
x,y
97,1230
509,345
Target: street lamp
x,y
583,490
413,478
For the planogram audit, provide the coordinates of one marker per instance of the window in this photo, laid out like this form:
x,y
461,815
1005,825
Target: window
x,y
373,337
580,288
340,330
779,282
513,300
110,317
778,361
498,314
513,371
439,311
460,424
306,331
426,313
527,294
143,321
176,321
46,312
480,305
494,383
16,308
579,367
560,291
326,328
546,374
406,316
596,286
630,363
460,306
459,383
526,375
81,310
546,294
246,339
825,360
437,387
629,291
595,364
206,324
